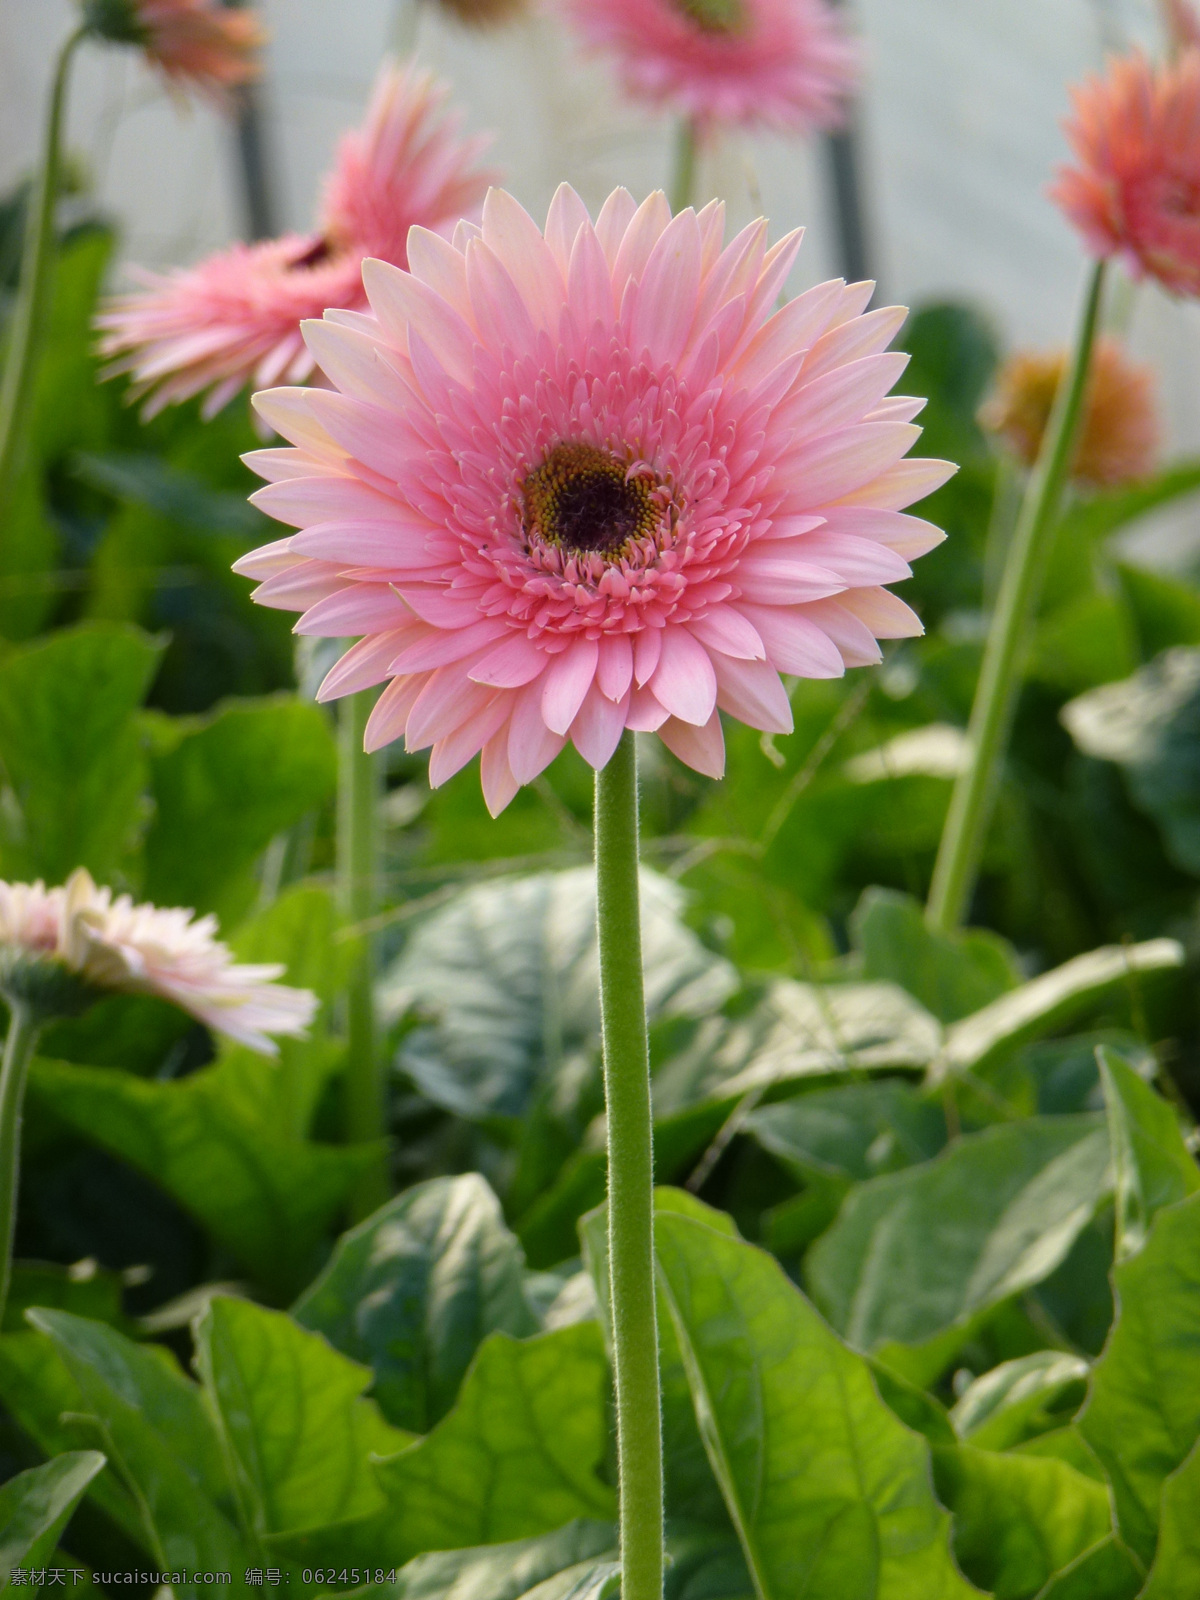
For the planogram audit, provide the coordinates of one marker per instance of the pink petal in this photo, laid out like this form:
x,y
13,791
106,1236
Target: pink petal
x,y
512,664
303,585
827,468
861,337
771,576
567,214
647,646
794,643
855,642
387,720
645,714
884,613
857,561
290,413
496,776
909,537
649,222
363,666
844,395
402,302
666,301
614,666
565,682
616,214
451,754
448,699
598,727
589,283
900,486
377,543
305,501
352,361
267,560
369,432
702,749
684,681
441,267
730,630
751,692
501,315
361,608
511,232
441,646
531,744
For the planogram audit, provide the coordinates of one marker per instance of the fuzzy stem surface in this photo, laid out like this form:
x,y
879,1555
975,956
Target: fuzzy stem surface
x,y
358,882
683,174
990,725
23,1030
630,1177
33,291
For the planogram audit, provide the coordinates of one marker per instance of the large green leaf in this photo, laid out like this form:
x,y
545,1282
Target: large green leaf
x,y
1052,1002
828,1490
507,974
154,1427
1106,1572
42,1397
519,1453
951,975
1020,1399
224,789
1149,725
503,1571
1018,1519
267,1199
71,750
1143,1413
292,1417
1151,1164
414,1290
35,1507
916,1254
855,1130
1103,513
1175,1574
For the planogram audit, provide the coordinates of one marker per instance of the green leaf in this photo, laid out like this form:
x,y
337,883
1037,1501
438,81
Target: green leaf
x,y
1175,1574
1102,514
517,1456
1149,725
233,781
149,480
36,1506
415,1289
507,972
1165,611
1152,1165
267,1199
42,1397
855,1130
951,975
85,1288
71,749
1142,1416
918,1253
155,1429
829,1492
299,930
1051,1003
292,1417
1018,1519
1019,1399
915,1407
1106,1572
503,1571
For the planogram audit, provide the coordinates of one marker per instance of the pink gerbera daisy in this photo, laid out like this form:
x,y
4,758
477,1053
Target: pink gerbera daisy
x,y
191,41
573,484
1135,190
782,64
235,318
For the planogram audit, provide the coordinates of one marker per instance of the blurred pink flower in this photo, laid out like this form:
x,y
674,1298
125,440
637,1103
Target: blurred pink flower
x,y
1183,25
235,318
140,949
574,484
198,42
1135,190
782,64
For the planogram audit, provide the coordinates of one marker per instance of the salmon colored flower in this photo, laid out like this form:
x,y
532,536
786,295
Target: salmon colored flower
x,y
1135,190
1183,25
572,484
235,318
1119,435
197,42
782,64
140,949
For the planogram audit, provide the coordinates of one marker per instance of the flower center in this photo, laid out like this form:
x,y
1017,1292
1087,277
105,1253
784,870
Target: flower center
x,y
584,499
713,16
316,255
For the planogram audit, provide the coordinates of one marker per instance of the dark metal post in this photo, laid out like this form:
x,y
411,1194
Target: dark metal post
x,y
258,191
843,160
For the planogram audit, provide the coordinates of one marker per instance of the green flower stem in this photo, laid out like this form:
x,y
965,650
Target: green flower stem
x,y
683,175
23,1029
630,1177
358,884
29,313
996,693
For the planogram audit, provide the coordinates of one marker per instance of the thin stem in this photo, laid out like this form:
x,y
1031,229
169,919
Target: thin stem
x,y
683,174
630,1177
358,877
23,1030
29,313
974,794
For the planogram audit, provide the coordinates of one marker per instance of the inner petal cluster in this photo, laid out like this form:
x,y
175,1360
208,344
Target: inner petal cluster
x,y
714,16
586,500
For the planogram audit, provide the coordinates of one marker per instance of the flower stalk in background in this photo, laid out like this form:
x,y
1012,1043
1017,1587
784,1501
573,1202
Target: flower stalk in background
x,y
1134,194
234,319
62,949
1119,433
582,484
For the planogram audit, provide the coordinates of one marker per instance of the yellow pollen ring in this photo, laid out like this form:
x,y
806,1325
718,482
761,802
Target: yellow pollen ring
x,y
582,499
